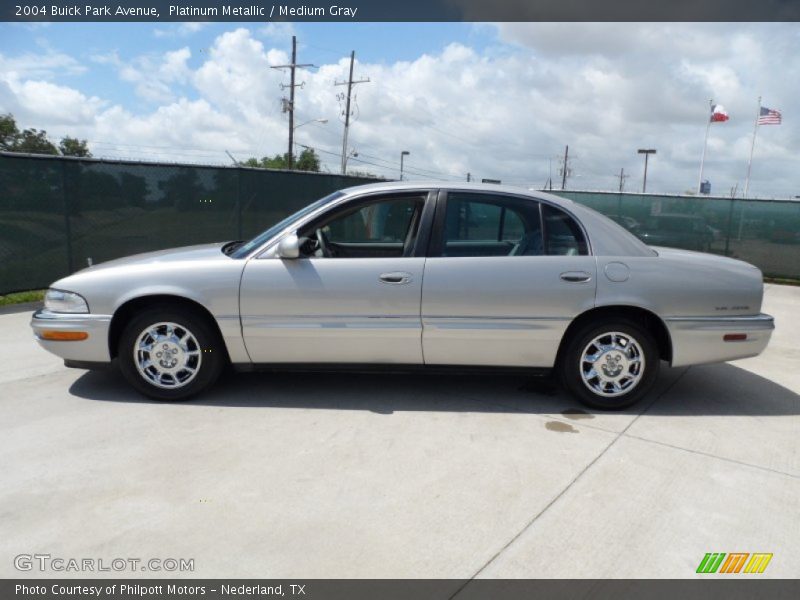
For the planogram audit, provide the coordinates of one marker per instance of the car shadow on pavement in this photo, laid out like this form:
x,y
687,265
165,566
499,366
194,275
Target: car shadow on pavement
x,y
721,389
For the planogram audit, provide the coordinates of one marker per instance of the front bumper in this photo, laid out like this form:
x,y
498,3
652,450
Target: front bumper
x,y
699,340
93,349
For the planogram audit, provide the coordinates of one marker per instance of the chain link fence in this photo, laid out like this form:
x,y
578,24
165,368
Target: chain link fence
x,y
57,215
765,233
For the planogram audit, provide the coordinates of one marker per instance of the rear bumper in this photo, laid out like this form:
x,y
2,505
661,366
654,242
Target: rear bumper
x,y
699,340
93,349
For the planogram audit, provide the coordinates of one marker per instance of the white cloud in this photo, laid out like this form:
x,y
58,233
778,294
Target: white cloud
x,y
506,113
277,32
34,102
50,64
153,76
181,30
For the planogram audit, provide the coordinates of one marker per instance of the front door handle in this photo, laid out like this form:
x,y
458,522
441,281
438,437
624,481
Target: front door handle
x,y
576,276
395,277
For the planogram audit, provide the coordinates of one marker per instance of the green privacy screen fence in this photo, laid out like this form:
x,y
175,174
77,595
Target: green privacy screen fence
x,y
765,233
56,214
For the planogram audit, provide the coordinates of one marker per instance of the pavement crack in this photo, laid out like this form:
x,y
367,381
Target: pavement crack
x,y
558,496
708,455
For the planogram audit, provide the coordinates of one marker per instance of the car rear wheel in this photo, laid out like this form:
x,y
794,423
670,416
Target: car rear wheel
x,y
170,354
610,365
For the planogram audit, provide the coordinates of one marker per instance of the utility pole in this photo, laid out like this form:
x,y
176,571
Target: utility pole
x,y
403,154
349,83
622,178
565,169
235,162
289,107
647,152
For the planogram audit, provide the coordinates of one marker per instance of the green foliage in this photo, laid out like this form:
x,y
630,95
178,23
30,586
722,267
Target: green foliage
x,y
34,141
8,132
71,146
20,297
307,161
276,162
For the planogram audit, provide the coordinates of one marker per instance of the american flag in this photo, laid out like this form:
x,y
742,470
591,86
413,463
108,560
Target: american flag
x,y
769,116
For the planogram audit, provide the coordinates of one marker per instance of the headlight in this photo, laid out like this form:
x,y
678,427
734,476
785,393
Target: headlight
x,y
65,302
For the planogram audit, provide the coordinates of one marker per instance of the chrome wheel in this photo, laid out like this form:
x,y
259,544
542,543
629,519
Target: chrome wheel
x,y
612,364
167,355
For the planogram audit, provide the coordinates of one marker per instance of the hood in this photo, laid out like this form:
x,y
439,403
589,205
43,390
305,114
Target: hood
x,y
174,258
184,254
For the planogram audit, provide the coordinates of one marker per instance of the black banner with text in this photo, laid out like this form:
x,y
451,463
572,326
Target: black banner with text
x,y
408,10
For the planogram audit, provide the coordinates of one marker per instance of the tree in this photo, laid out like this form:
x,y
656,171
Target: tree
x,y
276,162
71,146
33,141
307,161
8,132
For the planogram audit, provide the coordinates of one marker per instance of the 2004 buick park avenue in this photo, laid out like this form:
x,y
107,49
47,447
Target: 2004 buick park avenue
x,y
414,275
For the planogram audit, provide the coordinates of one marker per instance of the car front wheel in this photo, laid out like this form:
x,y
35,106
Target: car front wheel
x,y
170,354
611,364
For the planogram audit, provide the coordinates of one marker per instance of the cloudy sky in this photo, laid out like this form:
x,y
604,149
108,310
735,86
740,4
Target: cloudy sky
x,y
495,100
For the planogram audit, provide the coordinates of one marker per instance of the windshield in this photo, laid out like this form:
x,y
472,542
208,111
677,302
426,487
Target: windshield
x,y
257,241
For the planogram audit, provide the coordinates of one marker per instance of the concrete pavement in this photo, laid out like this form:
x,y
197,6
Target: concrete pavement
x,y
314,476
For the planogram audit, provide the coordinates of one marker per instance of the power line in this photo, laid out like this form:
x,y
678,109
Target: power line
x,y
366,162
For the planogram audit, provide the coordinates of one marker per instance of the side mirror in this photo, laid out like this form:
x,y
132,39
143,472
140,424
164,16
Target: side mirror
x,y
289,247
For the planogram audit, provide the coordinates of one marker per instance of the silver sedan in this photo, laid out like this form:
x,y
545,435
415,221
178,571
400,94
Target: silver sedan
x,y
414,275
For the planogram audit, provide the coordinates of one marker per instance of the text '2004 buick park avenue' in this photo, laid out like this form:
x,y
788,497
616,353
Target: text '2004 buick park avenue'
x,y
414,275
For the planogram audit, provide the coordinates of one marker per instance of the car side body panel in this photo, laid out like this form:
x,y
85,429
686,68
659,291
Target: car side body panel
x,y
502,311
332,310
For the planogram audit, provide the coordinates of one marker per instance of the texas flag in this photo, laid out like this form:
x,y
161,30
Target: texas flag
x,y
718,114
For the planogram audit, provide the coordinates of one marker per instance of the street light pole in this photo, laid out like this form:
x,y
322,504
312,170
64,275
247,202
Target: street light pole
x,y
647,152
296,127
403,154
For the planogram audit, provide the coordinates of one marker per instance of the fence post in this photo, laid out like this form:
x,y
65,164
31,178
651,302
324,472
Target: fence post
x,y
67,226
239,203
728,228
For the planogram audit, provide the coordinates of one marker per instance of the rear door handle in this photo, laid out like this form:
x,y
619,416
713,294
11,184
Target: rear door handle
x,y
395,277
576,276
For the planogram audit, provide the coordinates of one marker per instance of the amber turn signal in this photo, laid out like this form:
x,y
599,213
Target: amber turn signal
x,y
63,336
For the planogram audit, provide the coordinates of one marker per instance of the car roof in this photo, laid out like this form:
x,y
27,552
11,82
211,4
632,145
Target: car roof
x,y
456,185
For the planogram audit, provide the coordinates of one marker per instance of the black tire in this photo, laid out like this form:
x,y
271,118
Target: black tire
x,y
571,367
198,361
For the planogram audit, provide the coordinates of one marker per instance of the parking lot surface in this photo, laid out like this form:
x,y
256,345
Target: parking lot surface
x,y
429,476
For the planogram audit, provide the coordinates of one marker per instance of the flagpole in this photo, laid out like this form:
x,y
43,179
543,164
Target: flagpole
x,y
752,147
705,143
